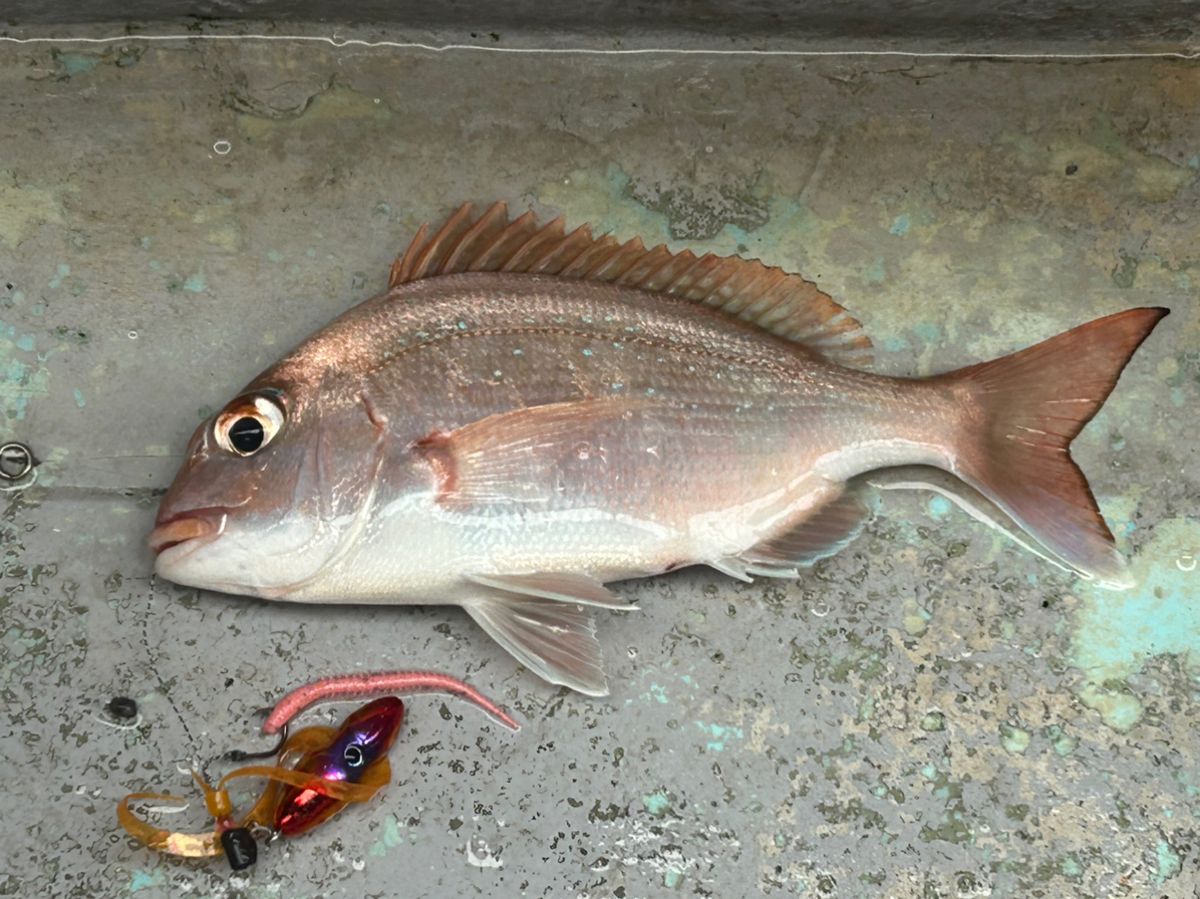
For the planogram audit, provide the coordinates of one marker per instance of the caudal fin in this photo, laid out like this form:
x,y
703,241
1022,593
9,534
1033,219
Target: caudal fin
x,y
1021,414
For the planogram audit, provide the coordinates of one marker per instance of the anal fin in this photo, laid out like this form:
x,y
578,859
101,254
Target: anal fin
x,y
733,568
825,532
555,640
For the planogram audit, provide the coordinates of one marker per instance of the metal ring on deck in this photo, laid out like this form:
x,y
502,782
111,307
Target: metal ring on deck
x,y
16,461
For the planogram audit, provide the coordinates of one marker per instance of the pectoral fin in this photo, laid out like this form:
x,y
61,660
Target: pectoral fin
x,y
555,640
515,457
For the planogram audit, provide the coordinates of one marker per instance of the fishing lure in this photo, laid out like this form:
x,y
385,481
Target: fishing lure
x,y
319,770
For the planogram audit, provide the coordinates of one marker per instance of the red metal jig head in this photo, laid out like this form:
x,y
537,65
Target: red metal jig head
x,y
363,739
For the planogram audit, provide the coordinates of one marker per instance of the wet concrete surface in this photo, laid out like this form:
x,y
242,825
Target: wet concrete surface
x,y
933,713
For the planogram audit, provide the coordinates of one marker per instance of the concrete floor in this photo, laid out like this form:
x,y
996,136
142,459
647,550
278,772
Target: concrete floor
x,y
932,714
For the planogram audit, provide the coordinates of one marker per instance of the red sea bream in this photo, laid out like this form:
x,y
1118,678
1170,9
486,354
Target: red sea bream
x,y
526,415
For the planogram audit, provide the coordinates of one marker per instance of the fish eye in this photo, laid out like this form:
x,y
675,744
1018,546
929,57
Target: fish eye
x,y
353,755
248,424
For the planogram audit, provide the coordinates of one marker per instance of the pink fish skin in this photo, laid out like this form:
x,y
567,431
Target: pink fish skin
x,y
526,415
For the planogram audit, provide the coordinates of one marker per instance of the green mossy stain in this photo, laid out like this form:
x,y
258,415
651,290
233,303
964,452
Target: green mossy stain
x,y
927,331
1014,739
146,880
719,734
900,225
1119,630
1124,273
77,63
24,207
1169,863
391,838
656,803
332,111
195,283
934,721
61,271
1064,744
20,380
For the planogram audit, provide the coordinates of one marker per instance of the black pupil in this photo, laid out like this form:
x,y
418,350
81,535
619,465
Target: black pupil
x,y
247,435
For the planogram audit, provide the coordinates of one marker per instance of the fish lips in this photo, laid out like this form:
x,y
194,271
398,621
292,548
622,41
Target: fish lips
x,y
188,530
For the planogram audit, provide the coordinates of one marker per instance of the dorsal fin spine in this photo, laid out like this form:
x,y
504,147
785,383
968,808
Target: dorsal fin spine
x,y
425,262
519,261
406,261
768,297
480,227
547,261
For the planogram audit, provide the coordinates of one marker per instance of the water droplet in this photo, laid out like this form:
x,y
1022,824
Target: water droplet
x,y
1186,562
222,147
133,335
820,610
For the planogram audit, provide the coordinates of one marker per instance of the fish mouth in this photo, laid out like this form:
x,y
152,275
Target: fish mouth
x,y
194,526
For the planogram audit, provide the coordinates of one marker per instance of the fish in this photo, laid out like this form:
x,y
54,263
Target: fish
x,y
528,414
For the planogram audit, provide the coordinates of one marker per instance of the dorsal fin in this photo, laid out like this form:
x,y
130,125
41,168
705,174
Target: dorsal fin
x,y
782,303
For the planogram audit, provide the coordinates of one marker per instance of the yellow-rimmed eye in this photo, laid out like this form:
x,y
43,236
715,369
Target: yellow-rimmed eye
x,y
249,424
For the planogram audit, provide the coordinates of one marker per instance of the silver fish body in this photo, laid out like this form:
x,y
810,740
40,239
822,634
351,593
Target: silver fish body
x,y
511,441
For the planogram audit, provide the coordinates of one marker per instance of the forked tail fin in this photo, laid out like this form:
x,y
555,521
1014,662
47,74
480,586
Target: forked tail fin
x,y
1021,414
